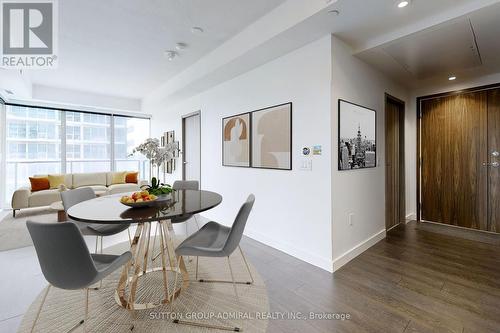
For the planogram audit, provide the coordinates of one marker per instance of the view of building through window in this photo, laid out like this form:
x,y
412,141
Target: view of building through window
x,y
129,133
35,144
88,142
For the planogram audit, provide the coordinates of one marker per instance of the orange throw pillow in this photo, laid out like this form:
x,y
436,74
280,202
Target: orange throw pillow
x,y
131,177
39,184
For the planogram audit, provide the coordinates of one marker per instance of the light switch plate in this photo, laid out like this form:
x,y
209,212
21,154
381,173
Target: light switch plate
x,y
306,164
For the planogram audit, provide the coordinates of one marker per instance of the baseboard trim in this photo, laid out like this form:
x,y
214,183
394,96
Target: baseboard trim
x,y
291,249
357,250
411,217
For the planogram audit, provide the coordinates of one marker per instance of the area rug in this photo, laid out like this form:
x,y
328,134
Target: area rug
x,y
13,231
201,303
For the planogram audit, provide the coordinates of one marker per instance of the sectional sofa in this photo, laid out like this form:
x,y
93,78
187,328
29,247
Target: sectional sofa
x,y
98,181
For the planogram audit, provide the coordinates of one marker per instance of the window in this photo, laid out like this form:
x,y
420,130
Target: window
x,y
73,116
34,143
16,130
73,152
42,130
90,137
73,132
129,133
17,150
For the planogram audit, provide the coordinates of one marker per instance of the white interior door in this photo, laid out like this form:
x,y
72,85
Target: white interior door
x,y
192,147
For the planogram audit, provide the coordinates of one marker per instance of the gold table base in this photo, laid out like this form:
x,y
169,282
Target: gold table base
x,y
141,254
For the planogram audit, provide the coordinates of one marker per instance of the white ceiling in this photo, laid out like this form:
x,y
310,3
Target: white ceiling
x,y
439,50
465,46
116,47
364,23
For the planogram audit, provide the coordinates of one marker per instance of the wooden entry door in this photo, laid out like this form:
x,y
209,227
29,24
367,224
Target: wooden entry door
x,y
454,160
394,161
493,163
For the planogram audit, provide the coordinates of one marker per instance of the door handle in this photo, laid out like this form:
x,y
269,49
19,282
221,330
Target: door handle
x,y
492,164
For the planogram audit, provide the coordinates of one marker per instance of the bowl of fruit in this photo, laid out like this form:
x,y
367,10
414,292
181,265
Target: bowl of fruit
x,y
139,199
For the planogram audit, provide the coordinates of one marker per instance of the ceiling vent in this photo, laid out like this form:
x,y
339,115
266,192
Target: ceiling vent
x,y
436,51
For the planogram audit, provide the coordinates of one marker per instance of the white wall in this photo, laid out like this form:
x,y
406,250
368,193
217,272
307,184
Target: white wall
x,y
425,89
293,208
73,97
358,192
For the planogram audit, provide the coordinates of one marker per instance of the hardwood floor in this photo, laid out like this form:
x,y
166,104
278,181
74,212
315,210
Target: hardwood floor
x,y
421,278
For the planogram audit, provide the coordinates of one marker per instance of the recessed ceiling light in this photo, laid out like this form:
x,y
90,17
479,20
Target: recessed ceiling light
x,y
452,78
10,92
403,4
197,30
334,12
170,55
180,46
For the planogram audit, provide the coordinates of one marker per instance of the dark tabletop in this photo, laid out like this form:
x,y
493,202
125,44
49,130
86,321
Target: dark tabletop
x,y
109,210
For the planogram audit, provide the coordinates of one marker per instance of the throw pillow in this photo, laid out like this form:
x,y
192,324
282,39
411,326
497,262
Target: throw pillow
x,y
119,177
56,180
39,183
132,177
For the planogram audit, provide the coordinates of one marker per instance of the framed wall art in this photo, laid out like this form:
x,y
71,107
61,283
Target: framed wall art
x,y
168,141
259,139
357,136
236,140
272,137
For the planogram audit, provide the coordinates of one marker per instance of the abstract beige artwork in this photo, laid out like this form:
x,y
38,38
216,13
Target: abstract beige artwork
x,y
272,137
236,140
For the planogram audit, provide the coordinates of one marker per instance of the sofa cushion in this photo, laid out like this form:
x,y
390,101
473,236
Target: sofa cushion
x,y
56,180
39,184
68,179
89,179
100,188
123,188
44,198
118,177
109,176
132,177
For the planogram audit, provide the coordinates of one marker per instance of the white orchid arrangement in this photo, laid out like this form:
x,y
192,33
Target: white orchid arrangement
x,y
156,155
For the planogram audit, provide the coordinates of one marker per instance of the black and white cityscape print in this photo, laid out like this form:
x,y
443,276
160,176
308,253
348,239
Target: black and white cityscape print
x,y
357,137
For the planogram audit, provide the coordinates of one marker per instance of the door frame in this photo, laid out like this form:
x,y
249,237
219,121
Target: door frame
x,y
3,147
192,114
419,128
402,161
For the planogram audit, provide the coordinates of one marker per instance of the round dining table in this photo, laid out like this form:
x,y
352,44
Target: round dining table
x,y
178,204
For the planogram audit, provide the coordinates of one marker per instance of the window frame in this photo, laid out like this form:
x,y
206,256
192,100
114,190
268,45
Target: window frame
x,y
62,140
